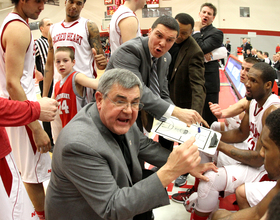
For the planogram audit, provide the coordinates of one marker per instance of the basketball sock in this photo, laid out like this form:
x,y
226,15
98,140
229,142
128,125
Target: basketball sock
x,y
196,217
41,214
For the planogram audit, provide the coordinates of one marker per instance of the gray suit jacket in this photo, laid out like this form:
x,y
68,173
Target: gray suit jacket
x,y
135,56
90,178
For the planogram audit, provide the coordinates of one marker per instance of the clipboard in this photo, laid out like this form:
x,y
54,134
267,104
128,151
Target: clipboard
x,y
173,129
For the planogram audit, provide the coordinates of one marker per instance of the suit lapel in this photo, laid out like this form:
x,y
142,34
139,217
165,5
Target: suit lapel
x,y
180,57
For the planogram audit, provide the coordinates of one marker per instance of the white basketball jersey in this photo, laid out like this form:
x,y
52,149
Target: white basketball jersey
x,y
75,35
255,119
27,80
115,33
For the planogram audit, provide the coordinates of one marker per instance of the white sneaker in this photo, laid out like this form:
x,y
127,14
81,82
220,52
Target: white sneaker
x,y
190,202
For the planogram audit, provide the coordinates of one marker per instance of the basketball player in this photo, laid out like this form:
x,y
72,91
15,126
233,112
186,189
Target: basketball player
x,y
15,203
70,91
260,80
30,143
82,35
124,24
270,151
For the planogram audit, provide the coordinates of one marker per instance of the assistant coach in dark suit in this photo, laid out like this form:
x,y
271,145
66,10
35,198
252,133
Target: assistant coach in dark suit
x,y
136,55
96,173
209,38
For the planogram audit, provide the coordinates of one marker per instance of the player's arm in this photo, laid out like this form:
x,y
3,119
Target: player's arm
x,y
49,69
81,81
14,64
231,111
128,27
253,213
265,114
249,157
94,41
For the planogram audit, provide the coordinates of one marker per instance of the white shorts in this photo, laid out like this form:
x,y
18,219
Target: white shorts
x,y
33,166
14,203
256,191
239,174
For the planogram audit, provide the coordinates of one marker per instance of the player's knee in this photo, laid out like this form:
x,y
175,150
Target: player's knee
x,y
217,182
205,187
240,192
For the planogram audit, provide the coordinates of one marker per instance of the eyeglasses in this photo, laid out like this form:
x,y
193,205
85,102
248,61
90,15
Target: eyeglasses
x,y
137,106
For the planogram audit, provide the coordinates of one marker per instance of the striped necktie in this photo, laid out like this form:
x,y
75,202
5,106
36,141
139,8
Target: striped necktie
x,y
154,84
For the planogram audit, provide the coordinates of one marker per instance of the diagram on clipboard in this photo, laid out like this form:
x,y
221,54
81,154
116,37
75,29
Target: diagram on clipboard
x,y
173,129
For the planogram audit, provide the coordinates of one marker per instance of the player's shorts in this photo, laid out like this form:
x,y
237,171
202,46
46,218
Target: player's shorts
x,y
256,191
33,166
14,203
239,174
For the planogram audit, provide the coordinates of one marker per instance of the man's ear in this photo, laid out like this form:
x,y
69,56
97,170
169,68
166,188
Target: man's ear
x,y
99,99
149,31
268,85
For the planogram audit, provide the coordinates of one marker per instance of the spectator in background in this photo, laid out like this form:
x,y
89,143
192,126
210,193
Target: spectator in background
x,y
209,38
254,53
277,63
277,48
266,58
41,54
245,46
124,24
247,54
228,46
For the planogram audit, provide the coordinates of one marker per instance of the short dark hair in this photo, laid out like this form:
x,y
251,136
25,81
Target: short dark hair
x,y
268,73
184,18
66,49
252,60
210,5
15,2
266,53
272,122
167,21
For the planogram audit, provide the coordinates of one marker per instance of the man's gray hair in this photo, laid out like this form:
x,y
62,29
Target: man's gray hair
x,y
122,77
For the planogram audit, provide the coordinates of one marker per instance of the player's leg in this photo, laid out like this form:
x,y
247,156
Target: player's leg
x,y
241,197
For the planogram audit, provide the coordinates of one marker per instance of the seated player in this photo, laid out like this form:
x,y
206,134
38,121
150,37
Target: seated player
x,y
270,151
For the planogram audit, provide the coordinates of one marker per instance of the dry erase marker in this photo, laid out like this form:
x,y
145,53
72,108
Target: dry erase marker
x,y
198,127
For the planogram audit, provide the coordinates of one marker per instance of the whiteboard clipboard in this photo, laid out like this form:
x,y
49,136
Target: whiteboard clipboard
x,y
173,129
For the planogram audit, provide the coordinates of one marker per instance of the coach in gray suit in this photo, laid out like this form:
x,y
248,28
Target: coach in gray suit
x,y
97,176
136,56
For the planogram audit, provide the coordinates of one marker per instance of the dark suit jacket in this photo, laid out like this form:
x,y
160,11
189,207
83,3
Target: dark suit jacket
x,y
208,39
90,178
186,83
135,56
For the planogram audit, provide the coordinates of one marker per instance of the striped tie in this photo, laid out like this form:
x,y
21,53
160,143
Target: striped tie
x,y
154,84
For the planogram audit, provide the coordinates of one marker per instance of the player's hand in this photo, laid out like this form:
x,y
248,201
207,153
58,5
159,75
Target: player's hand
x,y
189,116
200,169
100,59
216,110
48,109
42,140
